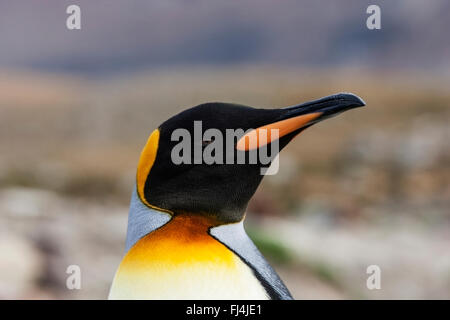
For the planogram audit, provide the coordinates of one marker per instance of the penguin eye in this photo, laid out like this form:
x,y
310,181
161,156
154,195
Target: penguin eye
x,y
207,141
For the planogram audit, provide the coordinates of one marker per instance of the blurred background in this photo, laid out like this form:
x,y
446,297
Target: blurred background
x,y
371,186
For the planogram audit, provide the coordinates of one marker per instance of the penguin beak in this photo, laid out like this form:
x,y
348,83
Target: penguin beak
x,y
298,117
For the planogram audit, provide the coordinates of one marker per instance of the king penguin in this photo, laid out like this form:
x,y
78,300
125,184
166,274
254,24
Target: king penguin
x,y
185,236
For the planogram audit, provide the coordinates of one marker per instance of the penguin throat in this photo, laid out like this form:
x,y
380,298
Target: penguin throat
x,y
192,224
183,238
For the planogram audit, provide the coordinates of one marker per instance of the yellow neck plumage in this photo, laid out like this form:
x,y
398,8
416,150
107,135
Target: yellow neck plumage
x,y
181,260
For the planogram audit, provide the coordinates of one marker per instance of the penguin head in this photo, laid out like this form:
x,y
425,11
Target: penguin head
x,y
209,160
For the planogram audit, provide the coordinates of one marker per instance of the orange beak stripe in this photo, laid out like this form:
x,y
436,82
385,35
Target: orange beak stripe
x,y
251,140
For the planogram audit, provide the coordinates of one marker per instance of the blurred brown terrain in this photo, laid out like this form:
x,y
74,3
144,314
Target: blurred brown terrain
x,y
370,186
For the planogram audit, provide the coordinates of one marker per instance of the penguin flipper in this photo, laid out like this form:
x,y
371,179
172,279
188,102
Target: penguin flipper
x,y
236,239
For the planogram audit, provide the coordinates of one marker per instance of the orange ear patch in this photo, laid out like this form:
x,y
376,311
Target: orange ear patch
x,y
252,140
146,161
